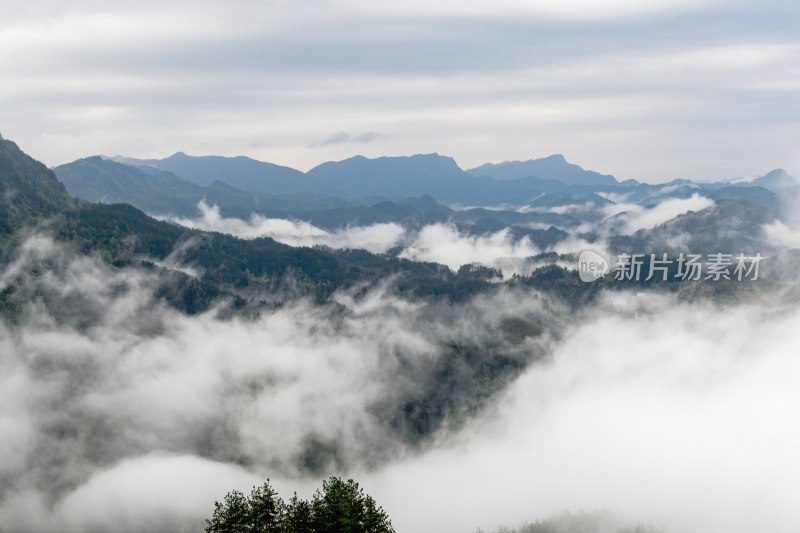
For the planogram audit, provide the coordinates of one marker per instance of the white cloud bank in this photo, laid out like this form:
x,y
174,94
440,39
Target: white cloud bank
x,y
683,415
376,238
441,243
120,414
680,414
635,217
782,235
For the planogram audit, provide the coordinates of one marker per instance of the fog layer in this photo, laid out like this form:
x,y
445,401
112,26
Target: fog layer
x,y
119,413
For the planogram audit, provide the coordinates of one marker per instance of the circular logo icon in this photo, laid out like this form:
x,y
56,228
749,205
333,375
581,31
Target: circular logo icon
x,y
592,266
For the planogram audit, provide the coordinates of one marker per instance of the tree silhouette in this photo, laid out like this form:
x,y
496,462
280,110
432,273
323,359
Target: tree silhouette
x,y
339,507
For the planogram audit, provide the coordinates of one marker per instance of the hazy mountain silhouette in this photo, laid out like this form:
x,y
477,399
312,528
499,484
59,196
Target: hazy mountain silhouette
x,y
241,172
775,180
163,193
554,167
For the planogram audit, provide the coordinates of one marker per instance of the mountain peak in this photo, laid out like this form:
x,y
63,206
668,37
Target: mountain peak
x,y
29,191
778,172
241,172
552,167
774,180
388,176
393,162
424,202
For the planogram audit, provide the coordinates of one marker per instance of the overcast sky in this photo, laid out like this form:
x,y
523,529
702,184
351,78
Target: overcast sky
x,y
649,89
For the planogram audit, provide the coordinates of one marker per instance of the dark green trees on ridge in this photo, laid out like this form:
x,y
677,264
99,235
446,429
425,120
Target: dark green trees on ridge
x,y
340,507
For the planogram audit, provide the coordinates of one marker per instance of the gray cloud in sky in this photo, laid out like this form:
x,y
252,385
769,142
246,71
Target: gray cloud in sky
x,y
647,90
344,137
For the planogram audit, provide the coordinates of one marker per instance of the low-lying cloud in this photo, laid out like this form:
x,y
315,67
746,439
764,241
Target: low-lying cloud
x,y
635,217
442,243
676,414
781,235
106,393
376,238
119,413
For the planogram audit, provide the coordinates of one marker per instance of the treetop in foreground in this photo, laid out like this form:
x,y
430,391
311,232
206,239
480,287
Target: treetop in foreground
x,y
340,507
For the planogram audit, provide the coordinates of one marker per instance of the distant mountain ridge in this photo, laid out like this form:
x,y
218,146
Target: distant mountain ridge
x,y
554,167
102,180
371,180
395,177
163,193
240,268
240,171
775,180
240,272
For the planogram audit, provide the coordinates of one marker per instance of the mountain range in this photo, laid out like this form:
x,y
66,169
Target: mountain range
x,y
241,172
412,191
380,178
246,273
261,270
361,180
554,167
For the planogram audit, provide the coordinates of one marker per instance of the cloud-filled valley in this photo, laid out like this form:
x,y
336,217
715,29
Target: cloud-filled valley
x,y
677,415
674,413
447,243
97,373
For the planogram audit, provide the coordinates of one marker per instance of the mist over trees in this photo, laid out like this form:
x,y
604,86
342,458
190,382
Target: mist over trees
x,y
583,522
